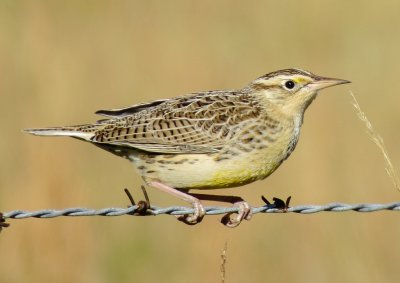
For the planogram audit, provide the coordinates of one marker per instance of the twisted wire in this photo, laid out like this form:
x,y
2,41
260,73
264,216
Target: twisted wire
x,y
210,210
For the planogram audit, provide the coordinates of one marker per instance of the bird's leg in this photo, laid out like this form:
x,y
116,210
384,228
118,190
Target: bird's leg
x,y
199,210
229,221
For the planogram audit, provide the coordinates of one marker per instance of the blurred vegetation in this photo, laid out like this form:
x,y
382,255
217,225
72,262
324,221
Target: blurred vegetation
x,y
62,60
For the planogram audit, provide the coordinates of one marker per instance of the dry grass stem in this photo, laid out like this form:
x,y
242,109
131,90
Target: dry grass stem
x,y
377,139
223,262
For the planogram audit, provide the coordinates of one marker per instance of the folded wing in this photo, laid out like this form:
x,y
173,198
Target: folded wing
x,y
199,123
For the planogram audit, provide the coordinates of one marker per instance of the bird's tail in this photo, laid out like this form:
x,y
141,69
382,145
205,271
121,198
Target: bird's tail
x,y
84,132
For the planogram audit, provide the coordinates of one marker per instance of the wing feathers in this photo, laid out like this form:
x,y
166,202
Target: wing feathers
x,y
197,124
200,123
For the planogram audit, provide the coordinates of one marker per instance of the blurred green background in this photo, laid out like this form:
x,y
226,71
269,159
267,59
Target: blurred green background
x,y
62,60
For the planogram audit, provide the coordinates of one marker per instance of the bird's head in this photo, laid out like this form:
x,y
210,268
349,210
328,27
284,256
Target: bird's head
x,y
291,89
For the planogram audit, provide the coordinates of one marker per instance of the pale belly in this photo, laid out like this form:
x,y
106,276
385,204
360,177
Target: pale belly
x,y
201,171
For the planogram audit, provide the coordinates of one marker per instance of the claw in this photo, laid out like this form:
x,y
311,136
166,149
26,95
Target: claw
x,y
243,213
196,217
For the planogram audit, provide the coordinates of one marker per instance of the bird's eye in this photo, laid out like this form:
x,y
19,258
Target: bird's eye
x,y
290,84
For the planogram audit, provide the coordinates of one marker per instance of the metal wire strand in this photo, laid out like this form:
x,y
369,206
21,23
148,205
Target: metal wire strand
x,y
210,210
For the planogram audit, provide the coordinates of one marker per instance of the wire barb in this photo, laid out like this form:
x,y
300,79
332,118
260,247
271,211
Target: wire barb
x,y
142,206
3,223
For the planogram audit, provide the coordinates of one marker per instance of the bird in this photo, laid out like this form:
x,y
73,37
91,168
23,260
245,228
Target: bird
x,y
208,140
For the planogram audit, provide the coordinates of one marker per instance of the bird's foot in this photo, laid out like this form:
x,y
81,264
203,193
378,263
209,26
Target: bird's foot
x,y
233,219
190,219
196,216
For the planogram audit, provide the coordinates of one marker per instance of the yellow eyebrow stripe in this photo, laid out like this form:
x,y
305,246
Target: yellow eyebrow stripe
x,y
300,80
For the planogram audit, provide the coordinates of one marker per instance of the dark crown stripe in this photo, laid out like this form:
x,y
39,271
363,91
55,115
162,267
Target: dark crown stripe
x,y
287,72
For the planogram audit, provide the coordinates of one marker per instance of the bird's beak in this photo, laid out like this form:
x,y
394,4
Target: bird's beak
x,y
321,83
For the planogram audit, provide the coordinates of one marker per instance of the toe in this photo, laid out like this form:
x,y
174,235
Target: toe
x,y
245,210
233,219
196,217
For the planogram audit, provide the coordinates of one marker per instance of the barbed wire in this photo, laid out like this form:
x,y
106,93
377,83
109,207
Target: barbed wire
x,y
210,210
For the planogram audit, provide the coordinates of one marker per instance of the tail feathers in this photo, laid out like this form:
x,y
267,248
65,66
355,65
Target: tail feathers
x,y
75,132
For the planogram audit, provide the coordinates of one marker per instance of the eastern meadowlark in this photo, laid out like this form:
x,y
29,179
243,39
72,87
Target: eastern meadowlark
x,y
208,140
